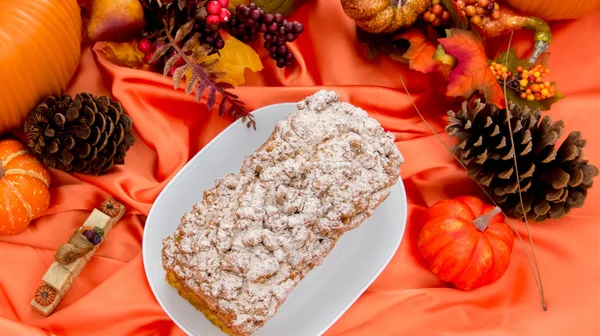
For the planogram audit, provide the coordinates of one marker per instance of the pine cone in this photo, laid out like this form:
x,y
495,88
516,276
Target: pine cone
x,y
553,180
86,135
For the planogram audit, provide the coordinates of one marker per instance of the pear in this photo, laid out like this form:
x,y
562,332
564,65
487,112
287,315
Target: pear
x,y
115,20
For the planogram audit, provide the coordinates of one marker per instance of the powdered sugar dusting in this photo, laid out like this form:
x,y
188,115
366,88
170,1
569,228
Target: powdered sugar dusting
x,y
254,236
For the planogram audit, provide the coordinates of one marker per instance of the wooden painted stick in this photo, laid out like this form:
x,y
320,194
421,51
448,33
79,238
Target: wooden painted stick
x,y
71,257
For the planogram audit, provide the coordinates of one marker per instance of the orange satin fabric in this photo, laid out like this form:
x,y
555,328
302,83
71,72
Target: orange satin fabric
x,y
112,297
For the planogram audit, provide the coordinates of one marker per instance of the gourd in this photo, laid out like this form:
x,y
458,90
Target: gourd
x,y
24,184
554,9
466,242
384,16
40,43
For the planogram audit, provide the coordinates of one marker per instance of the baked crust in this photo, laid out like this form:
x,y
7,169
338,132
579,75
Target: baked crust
x,y
240,251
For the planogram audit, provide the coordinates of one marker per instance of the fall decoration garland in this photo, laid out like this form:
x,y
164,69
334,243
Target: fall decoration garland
x,y
85,134
553,180
466,242
24,183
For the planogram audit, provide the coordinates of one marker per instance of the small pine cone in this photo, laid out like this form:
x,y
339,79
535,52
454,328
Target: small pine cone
x,y
553,181
87,134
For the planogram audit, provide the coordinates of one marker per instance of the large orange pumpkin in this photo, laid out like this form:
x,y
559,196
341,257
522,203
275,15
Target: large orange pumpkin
x,y
39,53
24,183
554,9
466,242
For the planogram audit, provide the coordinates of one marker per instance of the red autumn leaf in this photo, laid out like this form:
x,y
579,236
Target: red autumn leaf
x,y
420,52
472,72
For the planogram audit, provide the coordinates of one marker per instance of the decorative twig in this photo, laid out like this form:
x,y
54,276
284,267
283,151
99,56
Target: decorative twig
x,y
200,76
536,273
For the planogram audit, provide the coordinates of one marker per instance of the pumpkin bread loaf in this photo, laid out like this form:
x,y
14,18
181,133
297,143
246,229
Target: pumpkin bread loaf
x,y
240,251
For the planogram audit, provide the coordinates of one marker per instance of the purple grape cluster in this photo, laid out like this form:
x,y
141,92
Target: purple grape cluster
x,y
247,22
278,32
92,236
250,20
209,36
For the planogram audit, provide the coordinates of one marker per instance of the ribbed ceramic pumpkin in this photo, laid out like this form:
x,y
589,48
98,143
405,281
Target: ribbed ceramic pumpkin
x,y
24,183
40,46
554,9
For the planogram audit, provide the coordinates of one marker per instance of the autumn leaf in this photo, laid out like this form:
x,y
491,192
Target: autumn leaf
x,y
234,58
513,95
420,53
472,72
124,54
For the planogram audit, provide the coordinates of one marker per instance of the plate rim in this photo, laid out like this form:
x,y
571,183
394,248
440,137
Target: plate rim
x,y
347,305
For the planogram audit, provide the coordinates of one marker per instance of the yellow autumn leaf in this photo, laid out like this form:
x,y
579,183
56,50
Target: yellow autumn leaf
x,y
235,57
125,53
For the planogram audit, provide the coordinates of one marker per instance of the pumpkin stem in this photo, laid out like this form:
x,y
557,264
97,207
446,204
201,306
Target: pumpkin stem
x,y
483,221
2,171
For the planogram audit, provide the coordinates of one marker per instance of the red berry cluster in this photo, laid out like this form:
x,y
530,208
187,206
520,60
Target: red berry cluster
x,y
147,47
217,12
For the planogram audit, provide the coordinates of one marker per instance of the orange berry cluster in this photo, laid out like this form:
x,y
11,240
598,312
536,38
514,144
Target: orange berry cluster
x,y
528,82
436,14
479,11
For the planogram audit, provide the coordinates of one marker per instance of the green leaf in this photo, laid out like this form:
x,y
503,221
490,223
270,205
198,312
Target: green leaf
x,y
543,105
514,95
99,231
440,55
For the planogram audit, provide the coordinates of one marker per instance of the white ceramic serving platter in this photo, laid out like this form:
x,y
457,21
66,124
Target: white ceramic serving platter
x,y
325,293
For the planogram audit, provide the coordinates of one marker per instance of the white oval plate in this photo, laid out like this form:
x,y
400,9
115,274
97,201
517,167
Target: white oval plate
x,y
325,293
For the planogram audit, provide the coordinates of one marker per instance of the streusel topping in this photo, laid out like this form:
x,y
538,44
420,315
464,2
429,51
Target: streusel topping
x,y
255,235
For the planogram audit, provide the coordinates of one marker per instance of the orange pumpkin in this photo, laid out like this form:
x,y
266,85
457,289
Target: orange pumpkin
x,y
40,42
24,183
384,16
466,242
554,9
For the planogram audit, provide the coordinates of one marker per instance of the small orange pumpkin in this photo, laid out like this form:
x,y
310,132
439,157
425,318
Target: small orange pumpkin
x,y
384,16
554,9
466,242
24,183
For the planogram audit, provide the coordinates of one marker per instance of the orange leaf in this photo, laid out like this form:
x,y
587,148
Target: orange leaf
x,y
472,72
420,53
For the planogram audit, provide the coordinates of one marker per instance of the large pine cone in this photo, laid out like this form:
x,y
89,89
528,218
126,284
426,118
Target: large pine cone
x,y
87,135
553,180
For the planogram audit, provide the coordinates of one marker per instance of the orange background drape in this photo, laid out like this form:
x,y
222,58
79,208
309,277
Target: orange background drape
x,y
112,297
